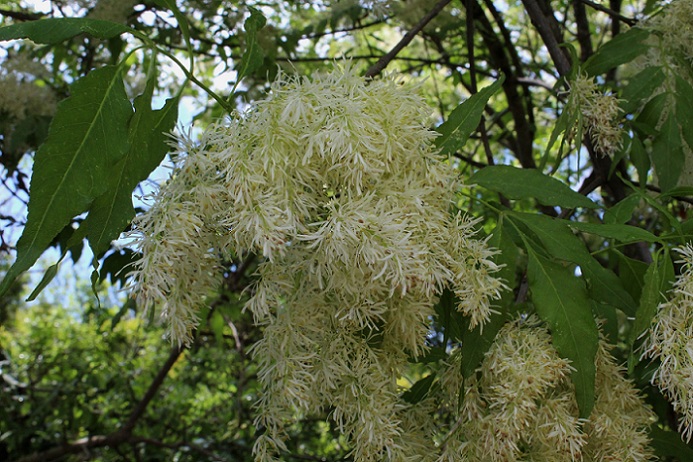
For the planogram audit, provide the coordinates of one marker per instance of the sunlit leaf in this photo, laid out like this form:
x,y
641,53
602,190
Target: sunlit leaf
x,y
464,119
520,183
88,136
51,31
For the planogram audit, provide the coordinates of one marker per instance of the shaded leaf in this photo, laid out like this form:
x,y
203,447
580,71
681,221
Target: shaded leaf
x,y
640,88
621,49
52,31
638,155
561,300
87,137
605,287
252,55
667,153
667,443
419,390
621,212
448,316
684,109
565,123
555,236
652,295
621,233
464,119
476,342
632,274
520,183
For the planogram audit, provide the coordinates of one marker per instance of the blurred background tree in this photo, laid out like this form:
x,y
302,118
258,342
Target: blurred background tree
x,y
593,98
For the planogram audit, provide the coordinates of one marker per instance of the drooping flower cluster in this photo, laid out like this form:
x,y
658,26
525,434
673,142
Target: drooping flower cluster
x,y
335,182
600,114
521,406
671,341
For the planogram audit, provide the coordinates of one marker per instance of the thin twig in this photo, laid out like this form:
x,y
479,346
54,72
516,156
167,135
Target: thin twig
x,y
610,12
378,67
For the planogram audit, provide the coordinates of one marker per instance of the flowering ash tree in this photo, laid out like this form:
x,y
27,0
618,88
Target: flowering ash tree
x,y
402,276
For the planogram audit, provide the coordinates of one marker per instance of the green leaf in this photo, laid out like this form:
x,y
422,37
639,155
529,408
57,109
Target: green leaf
x,y
621,49
48,276
521,183
651,114
631,272
464,119
667,153
640,88
559,241
667,443
253,55
147,135
448,316
561,300
419,390
605,287
87,137
501,239
555,236
649,300
609,320
621,212
565,123
476,342
640,159
684,109
52,31
622,233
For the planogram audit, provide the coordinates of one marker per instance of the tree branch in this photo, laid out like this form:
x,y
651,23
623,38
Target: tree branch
x,y
118,437
378,67
611,12
21,15
547,26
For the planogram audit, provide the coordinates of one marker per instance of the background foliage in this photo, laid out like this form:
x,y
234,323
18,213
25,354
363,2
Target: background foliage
x,y
583,230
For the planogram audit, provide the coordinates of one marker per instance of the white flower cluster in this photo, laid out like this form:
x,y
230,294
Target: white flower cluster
x,y
22,90
600,114
674,24
113,10
335,181
671,341
671,50
522,407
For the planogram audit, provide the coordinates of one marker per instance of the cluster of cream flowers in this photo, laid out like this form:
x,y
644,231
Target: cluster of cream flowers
x,y
671,50
521,406
335,182
600,114
21,91
673,26
671,341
